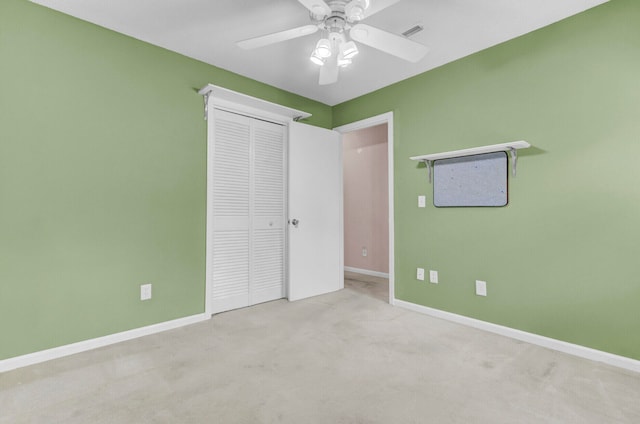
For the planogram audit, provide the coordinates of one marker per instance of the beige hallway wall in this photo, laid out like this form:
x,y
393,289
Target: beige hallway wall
x,y
366,199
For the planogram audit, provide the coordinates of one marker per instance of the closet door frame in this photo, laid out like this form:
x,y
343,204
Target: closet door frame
x,y
243,105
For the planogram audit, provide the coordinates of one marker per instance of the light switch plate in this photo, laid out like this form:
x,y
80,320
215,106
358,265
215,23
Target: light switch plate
x,y
420,274
422,201
481,288
433,276
145,292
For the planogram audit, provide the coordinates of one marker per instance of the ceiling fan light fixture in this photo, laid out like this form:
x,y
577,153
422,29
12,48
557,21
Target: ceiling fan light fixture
x,y
323,48
316,59
343,62
348,50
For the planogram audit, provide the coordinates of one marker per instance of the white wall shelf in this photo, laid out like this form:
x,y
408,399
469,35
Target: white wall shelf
x,y
511,147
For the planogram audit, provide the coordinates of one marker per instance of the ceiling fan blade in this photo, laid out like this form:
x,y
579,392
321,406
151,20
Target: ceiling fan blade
x,y
378,5
329,72
318,7
276,37
389,43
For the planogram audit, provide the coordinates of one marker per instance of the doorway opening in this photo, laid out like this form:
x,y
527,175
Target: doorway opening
x,y
367,158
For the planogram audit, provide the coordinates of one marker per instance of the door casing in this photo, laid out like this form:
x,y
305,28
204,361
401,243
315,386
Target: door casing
x,y
212,103
385,118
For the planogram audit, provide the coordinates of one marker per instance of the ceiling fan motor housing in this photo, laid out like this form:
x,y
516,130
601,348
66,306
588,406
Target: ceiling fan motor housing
x,y
336,23
337,20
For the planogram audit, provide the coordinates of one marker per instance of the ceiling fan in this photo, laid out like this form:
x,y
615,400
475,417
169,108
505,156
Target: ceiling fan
x,y
339,21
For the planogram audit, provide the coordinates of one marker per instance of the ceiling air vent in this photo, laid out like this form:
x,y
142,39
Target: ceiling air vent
x,y
413,30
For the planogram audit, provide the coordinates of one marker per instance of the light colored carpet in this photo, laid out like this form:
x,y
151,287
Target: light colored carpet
x,y
346,357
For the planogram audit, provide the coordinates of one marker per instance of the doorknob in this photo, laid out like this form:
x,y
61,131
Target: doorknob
x,y
294,222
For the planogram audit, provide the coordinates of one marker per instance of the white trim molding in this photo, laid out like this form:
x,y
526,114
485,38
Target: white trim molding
x,y
385,118
549,343
366,272
86,345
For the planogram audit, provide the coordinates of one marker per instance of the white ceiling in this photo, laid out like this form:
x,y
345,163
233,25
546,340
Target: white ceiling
x,y
208,29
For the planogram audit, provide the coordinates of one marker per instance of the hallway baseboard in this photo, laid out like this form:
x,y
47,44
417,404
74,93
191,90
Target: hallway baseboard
x,y
366,272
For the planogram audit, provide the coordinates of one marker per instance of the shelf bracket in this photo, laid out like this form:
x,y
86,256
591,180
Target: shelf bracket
x,y
514,160
206,105
429,164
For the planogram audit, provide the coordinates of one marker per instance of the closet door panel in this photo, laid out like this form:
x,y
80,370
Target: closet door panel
x,y
231,212
268,246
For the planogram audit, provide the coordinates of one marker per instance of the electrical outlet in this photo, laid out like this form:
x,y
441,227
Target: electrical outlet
x,y
422,201
364,251
145,292
433,276
420,274
481,288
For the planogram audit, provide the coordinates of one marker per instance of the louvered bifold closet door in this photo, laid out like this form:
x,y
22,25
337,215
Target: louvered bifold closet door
x,y
248,204
268,241
231,211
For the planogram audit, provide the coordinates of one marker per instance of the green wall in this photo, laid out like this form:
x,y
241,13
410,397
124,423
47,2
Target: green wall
x,y
102,178
561,260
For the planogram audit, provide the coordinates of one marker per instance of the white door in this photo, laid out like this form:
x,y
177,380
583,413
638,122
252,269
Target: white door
x,y
315,205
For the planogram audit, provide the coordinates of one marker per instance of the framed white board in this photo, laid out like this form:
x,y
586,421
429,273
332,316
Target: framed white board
x,y
478,180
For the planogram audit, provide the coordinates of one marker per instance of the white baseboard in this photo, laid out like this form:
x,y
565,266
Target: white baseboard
x,y
85,345
549,343
366,272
